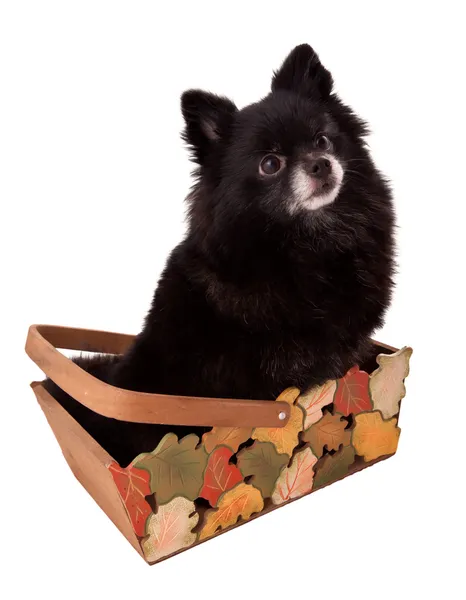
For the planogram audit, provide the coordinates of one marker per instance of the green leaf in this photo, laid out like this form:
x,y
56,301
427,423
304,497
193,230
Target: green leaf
x,y
176,468
332,467
265,464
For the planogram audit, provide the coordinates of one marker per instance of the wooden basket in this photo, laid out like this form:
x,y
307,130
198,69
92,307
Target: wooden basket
x,y
258,456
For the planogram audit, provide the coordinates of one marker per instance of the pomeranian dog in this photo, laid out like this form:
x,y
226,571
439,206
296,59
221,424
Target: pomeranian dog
x,y
286,267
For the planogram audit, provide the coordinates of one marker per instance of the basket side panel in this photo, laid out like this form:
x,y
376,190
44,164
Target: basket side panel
x,y
88,461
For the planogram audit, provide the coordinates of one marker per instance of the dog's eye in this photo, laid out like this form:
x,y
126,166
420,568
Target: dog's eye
x,y
270,164
322,142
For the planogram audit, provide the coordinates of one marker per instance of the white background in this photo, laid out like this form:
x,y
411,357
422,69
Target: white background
x,y
92,180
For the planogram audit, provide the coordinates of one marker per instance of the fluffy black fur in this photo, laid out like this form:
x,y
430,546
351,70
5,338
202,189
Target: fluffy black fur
x,y
260,296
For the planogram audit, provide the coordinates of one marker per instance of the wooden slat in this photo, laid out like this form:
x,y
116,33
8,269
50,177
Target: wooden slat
x,y
88,461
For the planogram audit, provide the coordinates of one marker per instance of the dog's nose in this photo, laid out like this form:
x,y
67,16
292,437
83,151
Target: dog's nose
x,y
320,168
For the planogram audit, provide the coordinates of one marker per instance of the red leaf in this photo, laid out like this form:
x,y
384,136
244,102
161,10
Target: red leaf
x,y
352,394
133,486
219,475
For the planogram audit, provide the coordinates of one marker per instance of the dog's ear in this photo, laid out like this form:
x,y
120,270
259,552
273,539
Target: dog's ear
x,y
208,118
303,73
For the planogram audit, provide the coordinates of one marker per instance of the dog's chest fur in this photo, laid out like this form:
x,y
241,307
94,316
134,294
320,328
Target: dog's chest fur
x,y
284,314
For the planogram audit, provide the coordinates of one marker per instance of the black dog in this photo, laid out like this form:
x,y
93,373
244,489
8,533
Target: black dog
x,y
286,268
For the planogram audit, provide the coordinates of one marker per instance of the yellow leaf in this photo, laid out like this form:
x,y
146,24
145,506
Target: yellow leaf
x,y
289,395
285,439
315,399
241,501
297,479
386,384
170,529
225,436
373,437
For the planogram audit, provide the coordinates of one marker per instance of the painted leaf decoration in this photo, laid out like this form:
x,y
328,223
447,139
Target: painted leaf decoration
x,y
386,384
176,468
285,439
133,486
297,479
289,395
329,431
262,461
170,529
315,399
333,466
225,436
220,475
241,501
373,437
352,393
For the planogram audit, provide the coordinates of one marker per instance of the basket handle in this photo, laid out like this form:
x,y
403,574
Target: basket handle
x,y
137,407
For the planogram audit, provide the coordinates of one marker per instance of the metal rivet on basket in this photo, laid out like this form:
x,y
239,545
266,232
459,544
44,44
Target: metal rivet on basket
x,y
282,416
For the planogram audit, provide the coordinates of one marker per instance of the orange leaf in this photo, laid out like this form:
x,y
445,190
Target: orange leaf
x,y
315,399
329,431
373,437
220,475
387,382
297,479
133,486
352,393
241,501
170,529
225,436
285,439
